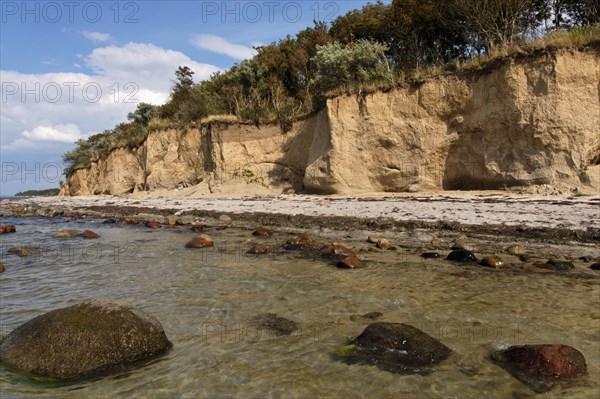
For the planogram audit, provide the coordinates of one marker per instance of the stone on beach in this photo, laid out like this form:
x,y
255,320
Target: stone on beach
x,y
201,241
89,339
1,267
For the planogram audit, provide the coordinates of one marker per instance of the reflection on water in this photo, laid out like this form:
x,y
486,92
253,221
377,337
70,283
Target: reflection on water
x,y
205,300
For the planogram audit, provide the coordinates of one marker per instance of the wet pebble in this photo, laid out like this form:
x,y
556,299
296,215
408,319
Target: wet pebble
x,y
492,261
202,241
595,266
461,255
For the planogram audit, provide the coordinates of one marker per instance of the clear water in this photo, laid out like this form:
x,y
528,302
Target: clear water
x,y
204,299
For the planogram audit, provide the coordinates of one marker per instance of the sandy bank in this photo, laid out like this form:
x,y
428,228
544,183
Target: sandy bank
x,y
564,212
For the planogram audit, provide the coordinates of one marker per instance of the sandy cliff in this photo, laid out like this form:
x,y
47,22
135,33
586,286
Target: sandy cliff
x,y
520,122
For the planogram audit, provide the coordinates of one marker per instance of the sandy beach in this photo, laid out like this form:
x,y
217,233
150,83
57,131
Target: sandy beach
x,y
564,212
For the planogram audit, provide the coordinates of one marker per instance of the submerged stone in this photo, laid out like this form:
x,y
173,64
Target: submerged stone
x,y
258,249
350,262
397,347
262,231
271,321
7,228
298,243
541,367
67,233
335,251
92,338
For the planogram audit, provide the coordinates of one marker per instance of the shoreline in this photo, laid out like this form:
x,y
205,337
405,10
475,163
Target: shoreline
x,y
506,215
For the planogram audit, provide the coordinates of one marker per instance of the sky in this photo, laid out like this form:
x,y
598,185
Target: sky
x,y
70,69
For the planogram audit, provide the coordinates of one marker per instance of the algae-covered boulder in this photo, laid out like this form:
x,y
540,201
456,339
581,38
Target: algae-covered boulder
x,y
92,338
396,347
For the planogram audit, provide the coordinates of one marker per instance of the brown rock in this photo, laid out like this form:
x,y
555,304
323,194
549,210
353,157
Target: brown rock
x,y
7,228
595,266
335,251
202,241
350,262
383,243
67,233
300,242
542,366
1,267
90,234
492,261
153,225
225,218
262,231
258,249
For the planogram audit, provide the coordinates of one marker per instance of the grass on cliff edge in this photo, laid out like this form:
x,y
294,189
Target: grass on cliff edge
x,y
576,38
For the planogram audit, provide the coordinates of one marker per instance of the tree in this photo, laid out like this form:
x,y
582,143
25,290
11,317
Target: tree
x,y
352,65
143,114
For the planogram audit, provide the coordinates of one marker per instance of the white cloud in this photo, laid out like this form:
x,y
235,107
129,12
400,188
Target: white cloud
x,y
97,37
147,63
217,44
62,107
62,133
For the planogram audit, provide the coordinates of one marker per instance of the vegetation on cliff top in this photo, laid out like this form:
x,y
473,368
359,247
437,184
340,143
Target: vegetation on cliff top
x,y
51,192
374,47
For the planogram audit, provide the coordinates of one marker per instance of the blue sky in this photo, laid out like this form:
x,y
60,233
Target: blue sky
x,y
69,69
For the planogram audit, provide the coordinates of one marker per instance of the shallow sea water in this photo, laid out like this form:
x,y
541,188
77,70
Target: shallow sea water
x,y
204,299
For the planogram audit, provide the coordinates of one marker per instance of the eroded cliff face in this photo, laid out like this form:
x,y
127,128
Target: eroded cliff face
x,y
522,122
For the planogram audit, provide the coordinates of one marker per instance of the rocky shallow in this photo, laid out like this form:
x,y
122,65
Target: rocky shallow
x,y
464,249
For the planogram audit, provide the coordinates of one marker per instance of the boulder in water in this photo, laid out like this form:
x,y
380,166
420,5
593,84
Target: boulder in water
x,y
541,367
92,338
